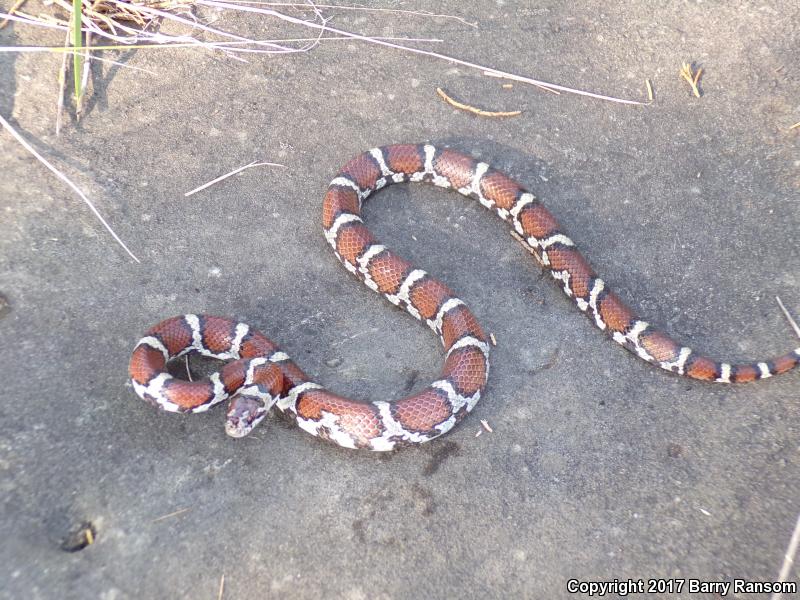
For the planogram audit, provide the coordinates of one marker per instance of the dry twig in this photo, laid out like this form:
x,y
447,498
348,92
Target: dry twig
x,y
474,110
527,247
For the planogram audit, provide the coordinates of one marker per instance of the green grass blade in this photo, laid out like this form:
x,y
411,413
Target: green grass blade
x,y
77,60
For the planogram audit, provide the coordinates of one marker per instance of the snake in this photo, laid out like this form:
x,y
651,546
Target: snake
x,y
259,375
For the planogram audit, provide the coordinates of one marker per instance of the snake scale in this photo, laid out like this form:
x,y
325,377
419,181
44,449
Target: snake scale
x,y
259,375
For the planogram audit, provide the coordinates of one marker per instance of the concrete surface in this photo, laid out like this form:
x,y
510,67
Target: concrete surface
x,y
599,467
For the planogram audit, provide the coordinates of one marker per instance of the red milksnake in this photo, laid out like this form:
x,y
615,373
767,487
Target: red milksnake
x,y
261,375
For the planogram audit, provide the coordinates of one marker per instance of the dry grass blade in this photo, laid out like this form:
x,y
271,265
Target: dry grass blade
x,y
62,85
475,111
795,126
154,12
691,77
114,62
110,14
106,28
505,76
234,172
77,28
7,126
788,559
789,318
147,11
437,55
14,7
221,587
230,46
420,13
172,514
79,104
45,21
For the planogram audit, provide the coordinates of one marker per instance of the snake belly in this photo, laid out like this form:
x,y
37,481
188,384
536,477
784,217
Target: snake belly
x,y
260,375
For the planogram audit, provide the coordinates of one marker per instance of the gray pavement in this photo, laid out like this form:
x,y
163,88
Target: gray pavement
x,y
598,467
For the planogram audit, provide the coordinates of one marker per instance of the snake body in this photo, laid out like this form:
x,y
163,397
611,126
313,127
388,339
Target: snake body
x,y
260,375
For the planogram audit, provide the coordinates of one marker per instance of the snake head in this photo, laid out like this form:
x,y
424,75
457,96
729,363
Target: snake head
x,y
244,413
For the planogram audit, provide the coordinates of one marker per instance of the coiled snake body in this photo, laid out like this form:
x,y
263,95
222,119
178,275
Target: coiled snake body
x,y
261,375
